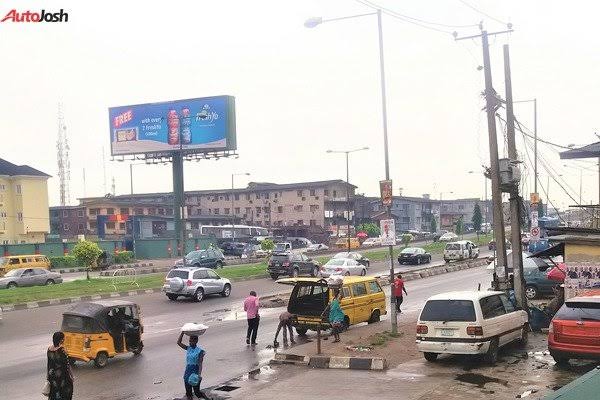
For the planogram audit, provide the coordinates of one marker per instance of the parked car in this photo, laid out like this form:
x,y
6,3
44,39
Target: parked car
x,y
8,263
342,266
209,258
371,242
414,255
537,283
317,247
282,247
22,277
448,237
292,264
342,243
354,256
195,283
492,244
233,248
574,330
254,250
461,250
469,322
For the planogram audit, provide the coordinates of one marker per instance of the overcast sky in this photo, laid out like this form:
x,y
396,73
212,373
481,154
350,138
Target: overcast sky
x,y
300,91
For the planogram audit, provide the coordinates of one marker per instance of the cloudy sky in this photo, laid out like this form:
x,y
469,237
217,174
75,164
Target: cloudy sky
x,y
301,91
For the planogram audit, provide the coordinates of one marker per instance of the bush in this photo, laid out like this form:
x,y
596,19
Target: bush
x,y
267,245
63,262
123,257
87,253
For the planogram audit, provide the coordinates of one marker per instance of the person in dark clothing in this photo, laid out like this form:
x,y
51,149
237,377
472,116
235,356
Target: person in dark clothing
x,y
116,324
285,322
59,371
194,358
398,289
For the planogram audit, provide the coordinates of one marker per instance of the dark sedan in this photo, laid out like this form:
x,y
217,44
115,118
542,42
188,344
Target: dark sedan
x,y
354,256
414,255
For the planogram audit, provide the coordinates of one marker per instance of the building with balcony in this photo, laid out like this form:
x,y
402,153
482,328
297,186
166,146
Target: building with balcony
x,y
23,204
68,221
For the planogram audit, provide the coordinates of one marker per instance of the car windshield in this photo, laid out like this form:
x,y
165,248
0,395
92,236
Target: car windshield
x,y
453,246
280,257
448,310
14,272
409,250
579,311
194,254
178,273
335,262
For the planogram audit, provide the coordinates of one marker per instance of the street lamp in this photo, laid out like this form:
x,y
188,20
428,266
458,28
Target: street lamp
x,y
347,152
315,21
232,205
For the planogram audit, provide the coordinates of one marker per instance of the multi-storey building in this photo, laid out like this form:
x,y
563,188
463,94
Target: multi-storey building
x,y
23,204
68,221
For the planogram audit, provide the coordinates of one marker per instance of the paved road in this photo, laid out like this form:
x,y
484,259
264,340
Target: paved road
x,y
157,372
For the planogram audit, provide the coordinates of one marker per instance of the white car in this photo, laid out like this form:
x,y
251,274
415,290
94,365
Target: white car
x,y
470,322
371,242
317,247
448,237
342,266
461,250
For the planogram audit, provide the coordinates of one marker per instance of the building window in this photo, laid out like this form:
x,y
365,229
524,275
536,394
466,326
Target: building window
x,y
198,211
298,208
247,196
313,192
65,213
152,211
313,222
170,211
300,193
314,208
20,216
275,195
65,227
226,211
110,211
138,211
3,187
237,211
257,196
18,189
93,224
266,209
248,210
300,222
94,211
80,213
236,196
122,226
161,211
110,225
124,211
81,228
258,210
216,211
326,192
279,209
3,214
461,207
334,194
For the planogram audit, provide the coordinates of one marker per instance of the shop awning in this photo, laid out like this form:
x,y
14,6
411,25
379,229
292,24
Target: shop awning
x,y
554,251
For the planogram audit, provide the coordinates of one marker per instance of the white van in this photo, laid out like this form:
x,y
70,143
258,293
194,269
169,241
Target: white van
x,y
469,322
461,250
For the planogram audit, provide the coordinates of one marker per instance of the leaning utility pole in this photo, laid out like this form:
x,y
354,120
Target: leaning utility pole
x,y
515,199
491,105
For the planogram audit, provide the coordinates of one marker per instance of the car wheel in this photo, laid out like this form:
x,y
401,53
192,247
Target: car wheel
x,y
347,273
219,264
295,272
172,297
363,272
101,359
375,317
491,357
12,285
301,330
226,290
49,282
314,272
446,260
524,335
531,292
274,276
199,295
138,350
431,357
428,259
418,261
559,359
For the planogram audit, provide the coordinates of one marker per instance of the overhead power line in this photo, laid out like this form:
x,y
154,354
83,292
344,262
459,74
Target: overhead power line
x,y
483,13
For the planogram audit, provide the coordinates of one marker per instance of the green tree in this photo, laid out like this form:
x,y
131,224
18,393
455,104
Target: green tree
x,y
477,218
459,227
267,245
371,229
406,238
87,254
433,225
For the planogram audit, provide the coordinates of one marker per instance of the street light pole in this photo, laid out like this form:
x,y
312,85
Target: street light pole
x,y
232,205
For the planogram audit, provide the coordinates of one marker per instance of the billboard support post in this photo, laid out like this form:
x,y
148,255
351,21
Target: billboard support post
x,y
179,202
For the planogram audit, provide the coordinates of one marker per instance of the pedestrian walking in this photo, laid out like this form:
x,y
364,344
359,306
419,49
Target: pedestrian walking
x,y
398,292
251,306
336,316
285,323
59,376
194,358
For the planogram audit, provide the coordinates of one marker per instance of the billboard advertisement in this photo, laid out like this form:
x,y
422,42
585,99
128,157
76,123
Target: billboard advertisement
x,y
191,126
581,277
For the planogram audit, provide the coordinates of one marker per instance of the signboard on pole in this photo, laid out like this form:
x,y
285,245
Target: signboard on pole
x,y
535,234
385,187
388,232
191,126
534,198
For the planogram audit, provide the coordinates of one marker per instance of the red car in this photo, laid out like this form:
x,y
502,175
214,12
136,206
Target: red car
x,y
575,329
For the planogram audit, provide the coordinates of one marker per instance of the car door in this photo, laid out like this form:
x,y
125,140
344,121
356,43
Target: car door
x,y
513,318
40,276
306,266
27,278
215,282
494,319
347,303
356,267
200,278
361,302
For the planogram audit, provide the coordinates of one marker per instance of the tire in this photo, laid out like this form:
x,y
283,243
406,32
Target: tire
x,y
375,317
428,259
199,295
431,357
274,276
138,350
446,260
49,282
363,272
218,265
531,292
12,285
172,297
524,335
418,261
491,357
72,362
101,359
347,273
562,361
226,291
301,331
295,272
315,272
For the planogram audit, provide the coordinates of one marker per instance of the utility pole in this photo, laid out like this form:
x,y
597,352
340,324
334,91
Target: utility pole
x,y
347,204
515,199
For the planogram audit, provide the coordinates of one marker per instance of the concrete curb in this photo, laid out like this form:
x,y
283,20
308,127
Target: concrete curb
x,y
112,267
332,362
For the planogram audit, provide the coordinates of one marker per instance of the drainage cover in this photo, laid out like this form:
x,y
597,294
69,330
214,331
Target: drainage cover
x,y
227,388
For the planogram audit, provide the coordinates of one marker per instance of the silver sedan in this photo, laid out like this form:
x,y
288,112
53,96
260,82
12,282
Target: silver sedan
x,y
29,277
343,266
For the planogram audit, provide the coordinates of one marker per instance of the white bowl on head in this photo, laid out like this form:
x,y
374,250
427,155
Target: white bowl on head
x,y
193,329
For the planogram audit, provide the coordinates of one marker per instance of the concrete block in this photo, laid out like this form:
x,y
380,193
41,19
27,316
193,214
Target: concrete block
x,y
342,362
378,364
319,362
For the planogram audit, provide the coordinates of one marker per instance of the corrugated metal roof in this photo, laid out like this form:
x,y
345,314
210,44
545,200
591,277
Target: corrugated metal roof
x,y
10,169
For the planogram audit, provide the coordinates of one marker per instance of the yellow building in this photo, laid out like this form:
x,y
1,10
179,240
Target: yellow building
x,y
23,204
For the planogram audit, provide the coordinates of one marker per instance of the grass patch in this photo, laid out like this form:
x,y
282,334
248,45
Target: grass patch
x,y
104,285
381,338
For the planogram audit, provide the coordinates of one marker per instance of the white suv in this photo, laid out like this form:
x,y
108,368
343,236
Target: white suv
x,y
461,250
469,322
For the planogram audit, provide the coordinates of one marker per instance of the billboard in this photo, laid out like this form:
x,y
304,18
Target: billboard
x,y
191,126
581,277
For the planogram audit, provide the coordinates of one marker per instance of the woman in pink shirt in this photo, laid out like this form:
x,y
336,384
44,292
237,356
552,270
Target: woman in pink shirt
x,y
251,305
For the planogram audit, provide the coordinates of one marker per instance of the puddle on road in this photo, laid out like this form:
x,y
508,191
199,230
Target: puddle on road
x,y
479,379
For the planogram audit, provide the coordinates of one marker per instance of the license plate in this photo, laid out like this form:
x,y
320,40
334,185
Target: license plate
x,y
447,332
